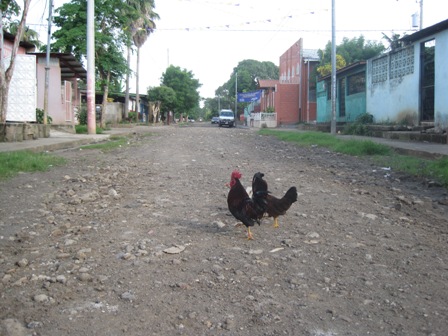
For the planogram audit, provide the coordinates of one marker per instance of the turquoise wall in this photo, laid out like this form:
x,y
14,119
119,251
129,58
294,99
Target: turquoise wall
x,y
355,104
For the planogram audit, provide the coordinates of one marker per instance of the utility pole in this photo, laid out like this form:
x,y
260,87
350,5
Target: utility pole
x,y
236,96
91,115
47,63
421,14
333,69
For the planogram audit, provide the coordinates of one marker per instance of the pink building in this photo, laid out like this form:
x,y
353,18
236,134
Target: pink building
x,y
27,89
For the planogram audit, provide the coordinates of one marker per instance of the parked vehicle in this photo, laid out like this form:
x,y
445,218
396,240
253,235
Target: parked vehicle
x,y
226,117
215,120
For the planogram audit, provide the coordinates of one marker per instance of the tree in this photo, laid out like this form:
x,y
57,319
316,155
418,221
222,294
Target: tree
x,y
186,88
394,41
324,70
166,96
6,71
29,35
142,25
110,64
249,71
348,52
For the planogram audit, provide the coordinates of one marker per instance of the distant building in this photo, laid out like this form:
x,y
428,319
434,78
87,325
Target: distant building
x,y
293,96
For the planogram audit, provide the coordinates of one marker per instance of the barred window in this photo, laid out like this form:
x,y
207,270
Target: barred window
x,y
402,63
356,83
379,70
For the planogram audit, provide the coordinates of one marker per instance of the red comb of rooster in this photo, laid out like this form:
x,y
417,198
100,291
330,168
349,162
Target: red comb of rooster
x,y
236,174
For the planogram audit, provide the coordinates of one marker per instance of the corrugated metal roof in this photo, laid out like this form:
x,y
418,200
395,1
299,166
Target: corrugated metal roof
x,y
70,66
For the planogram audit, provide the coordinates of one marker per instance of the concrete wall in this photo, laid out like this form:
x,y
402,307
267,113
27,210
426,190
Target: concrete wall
x,y
441,80
396,99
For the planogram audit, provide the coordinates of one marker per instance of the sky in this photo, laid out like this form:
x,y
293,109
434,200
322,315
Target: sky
x,y
210,37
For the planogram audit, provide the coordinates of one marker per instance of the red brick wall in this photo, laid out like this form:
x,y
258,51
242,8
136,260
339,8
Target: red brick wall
x,y
286,104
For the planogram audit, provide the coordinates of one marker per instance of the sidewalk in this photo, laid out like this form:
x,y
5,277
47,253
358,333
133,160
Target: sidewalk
x,y
61,140
426,150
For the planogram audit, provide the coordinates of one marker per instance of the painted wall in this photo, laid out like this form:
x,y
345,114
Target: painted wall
x,y
396,99
355,104
441,80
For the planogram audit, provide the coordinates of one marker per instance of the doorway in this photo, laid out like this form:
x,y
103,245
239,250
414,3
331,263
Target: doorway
x,y
427,82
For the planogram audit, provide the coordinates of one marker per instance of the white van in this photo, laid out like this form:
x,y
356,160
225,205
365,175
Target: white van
x,y
226,117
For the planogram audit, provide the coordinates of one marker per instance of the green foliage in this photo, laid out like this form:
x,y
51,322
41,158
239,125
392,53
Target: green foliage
x,y
359,127
185,86
433,169
12,163
40,117
82,116
326,68
83,129
164,94
365,118
351,147
132,115
270,109
351,51
249,71
110,38
112,143
9,8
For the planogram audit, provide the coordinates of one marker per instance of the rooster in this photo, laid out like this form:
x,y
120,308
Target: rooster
x,y
278,206
247,209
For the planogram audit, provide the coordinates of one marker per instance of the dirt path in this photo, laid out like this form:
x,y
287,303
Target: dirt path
x,y
139,241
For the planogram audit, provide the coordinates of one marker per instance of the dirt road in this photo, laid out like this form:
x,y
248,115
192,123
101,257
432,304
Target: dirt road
x,y
139,241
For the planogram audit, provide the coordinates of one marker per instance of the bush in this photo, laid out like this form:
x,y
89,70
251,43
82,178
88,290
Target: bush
x,y
40,116
82,116
359,126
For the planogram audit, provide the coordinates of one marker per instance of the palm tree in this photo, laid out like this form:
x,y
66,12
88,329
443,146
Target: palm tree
x,y
141,28
29,35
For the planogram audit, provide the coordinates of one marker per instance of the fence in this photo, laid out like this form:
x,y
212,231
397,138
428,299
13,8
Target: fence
x,y
262,118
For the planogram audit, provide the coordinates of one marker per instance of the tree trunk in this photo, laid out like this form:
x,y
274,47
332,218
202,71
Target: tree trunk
x,y
5,76
126,99
137,95
104,106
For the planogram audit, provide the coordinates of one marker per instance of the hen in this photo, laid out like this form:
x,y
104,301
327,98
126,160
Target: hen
x,y
247,209
278,206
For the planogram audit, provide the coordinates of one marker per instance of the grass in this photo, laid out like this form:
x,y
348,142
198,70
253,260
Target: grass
x,y
114,141
381,154
12,163
82,129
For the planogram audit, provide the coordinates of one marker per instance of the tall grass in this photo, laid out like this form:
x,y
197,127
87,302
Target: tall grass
x,y
381,154
12,163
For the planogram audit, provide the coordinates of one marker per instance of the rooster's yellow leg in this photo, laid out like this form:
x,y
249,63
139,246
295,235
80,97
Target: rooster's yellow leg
x,y
249,234
276,222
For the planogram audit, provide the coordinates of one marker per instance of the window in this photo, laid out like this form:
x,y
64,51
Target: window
x,y
356,83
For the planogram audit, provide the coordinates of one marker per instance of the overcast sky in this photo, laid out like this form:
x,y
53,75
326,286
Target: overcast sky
x,y
210,37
